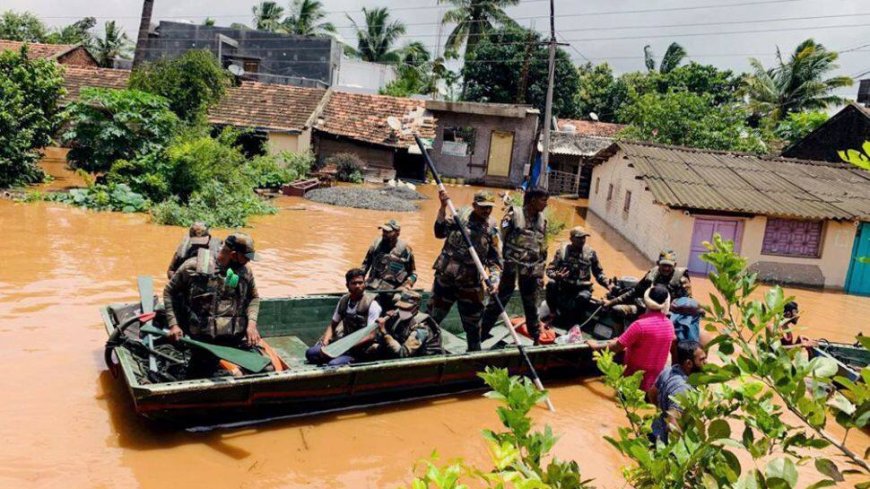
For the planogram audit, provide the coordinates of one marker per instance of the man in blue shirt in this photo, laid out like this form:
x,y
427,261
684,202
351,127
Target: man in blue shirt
x,y
673,381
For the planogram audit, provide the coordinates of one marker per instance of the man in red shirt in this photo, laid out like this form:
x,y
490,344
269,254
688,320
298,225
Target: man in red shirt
x,y
647,341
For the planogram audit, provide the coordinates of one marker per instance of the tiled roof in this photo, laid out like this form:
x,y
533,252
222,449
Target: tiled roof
x,y
38,50
363,117
592,128
574,144
267,106
77,78
698,179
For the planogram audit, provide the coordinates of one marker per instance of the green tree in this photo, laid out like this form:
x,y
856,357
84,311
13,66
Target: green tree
x,y
597,86
688,119
674,55
30,90
113,44
22,27
191,83
267,16
76,33
496,71
798,124
306,19
105,125
474,19
209,21
797,85
418,73
375,40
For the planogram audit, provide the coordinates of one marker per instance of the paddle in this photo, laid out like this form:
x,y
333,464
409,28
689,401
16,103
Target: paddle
x,y
146,299
338,347
482,271
253,362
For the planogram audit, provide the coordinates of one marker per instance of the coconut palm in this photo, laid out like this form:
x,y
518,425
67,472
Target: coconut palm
x,y
796,85
674,55
473,19
305,19
267,16
113,44
376,38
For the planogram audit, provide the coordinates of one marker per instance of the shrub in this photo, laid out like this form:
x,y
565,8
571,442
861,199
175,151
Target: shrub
x,y
216,204
271,171
102,197
348,167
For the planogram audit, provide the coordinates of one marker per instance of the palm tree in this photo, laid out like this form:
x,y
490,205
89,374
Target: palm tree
x,y
796,85
672,58
473,19
375,41
305,19
113,44
267,16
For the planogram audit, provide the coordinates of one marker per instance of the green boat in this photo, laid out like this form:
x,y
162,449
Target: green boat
x,y
850,358
290,325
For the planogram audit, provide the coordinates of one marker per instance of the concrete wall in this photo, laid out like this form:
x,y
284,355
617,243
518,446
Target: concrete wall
x,y
474,166
295,143
371,155
363,76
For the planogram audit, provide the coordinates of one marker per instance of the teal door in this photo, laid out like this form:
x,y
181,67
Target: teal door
x,y
858,279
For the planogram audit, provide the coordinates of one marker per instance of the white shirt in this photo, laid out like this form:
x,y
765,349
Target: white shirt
x,y
374,311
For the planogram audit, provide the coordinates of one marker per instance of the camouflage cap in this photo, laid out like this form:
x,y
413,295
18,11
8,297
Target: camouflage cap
x,y
484,198
198,233
409,300
578,232
667,257
241,243
391,225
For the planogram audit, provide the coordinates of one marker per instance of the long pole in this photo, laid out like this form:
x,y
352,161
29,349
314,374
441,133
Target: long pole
x,y
144,27
482,271
543,176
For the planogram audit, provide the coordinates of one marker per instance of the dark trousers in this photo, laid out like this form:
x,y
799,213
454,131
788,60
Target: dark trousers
x,y
315,356
529,287
567,303
204,365
469,302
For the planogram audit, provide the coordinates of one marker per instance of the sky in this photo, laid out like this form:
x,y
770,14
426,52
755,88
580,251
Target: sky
x,y
724,33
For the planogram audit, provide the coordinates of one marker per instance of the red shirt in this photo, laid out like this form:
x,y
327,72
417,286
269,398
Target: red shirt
x,y
647,343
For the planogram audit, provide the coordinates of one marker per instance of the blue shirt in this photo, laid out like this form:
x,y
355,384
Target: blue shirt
x,y
670,383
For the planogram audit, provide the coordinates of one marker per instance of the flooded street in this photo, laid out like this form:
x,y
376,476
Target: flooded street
x,y
65,422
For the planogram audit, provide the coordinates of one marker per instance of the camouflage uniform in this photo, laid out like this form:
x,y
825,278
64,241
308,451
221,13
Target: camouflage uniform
x,y
417,335
456,276
678,284
197,237
525,254
208,304
568,297
389,267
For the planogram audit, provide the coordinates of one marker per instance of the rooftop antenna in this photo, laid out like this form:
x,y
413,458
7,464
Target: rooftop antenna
x,y
236,70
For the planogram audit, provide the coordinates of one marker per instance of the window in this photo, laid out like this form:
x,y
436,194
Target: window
x,y
610,192
458,141
790,237
627,204
597,184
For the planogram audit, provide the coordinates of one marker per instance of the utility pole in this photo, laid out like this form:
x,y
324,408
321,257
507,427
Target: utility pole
x,y
543,177
144,27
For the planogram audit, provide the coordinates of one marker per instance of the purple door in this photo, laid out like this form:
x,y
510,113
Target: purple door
x,y
729,229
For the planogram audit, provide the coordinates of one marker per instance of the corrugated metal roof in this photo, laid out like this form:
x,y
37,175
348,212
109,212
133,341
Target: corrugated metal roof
x,y
735,182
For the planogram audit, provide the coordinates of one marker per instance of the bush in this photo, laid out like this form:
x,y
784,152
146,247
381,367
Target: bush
x,y
100,197
271,171
216,204
348,167
29,94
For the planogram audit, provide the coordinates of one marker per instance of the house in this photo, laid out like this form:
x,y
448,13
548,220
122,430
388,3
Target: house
x,y
268,57
489,143
573,147
357,123
65,54
847,129
76,78
356,75
797,221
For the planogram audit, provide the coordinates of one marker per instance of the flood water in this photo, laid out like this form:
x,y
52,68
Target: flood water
x,y
65,422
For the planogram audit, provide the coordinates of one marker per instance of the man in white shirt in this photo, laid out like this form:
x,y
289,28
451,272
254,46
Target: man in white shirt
x,y
354,311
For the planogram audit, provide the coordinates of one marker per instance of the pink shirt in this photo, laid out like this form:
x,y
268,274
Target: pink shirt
x,y
647,343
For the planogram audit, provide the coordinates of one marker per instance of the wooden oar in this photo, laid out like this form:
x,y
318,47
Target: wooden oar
x,y
480,269
253,362
146,300
339,347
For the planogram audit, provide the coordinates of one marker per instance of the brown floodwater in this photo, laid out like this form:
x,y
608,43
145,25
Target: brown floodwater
x,y
65,422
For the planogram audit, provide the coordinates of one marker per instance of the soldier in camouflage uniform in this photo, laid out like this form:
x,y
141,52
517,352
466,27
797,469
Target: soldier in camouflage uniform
x,y
406,332
524,234
389,264
667,273
569,290
456,276
198,236
214,298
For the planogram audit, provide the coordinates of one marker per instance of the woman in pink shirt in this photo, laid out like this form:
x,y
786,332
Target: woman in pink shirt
x,y
647,341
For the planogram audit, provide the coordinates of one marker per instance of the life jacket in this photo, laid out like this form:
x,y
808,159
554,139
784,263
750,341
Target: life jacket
x,y
355,321
675,284
525,241
578,264
215,308
391,267
455,259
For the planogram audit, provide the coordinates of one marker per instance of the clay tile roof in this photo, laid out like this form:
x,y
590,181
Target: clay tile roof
x,y
688,178
364,117
38,50
267,106
592,128
77,78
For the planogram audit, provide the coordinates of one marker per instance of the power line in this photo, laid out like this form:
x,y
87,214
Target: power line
x,y
722,33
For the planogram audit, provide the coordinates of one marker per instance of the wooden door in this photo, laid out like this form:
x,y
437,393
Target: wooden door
x,y
729,229
501,147
858,279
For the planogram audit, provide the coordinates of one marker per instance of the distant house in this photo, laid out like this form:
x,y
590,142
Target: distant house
x,y
798,222
65,54
268,57
75,78
358,76
847,129
490,143
357,123
573,147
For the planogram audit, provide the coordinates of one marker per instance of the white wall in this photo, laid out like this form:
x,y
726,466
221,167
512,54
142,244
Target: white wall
x,y
363,76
